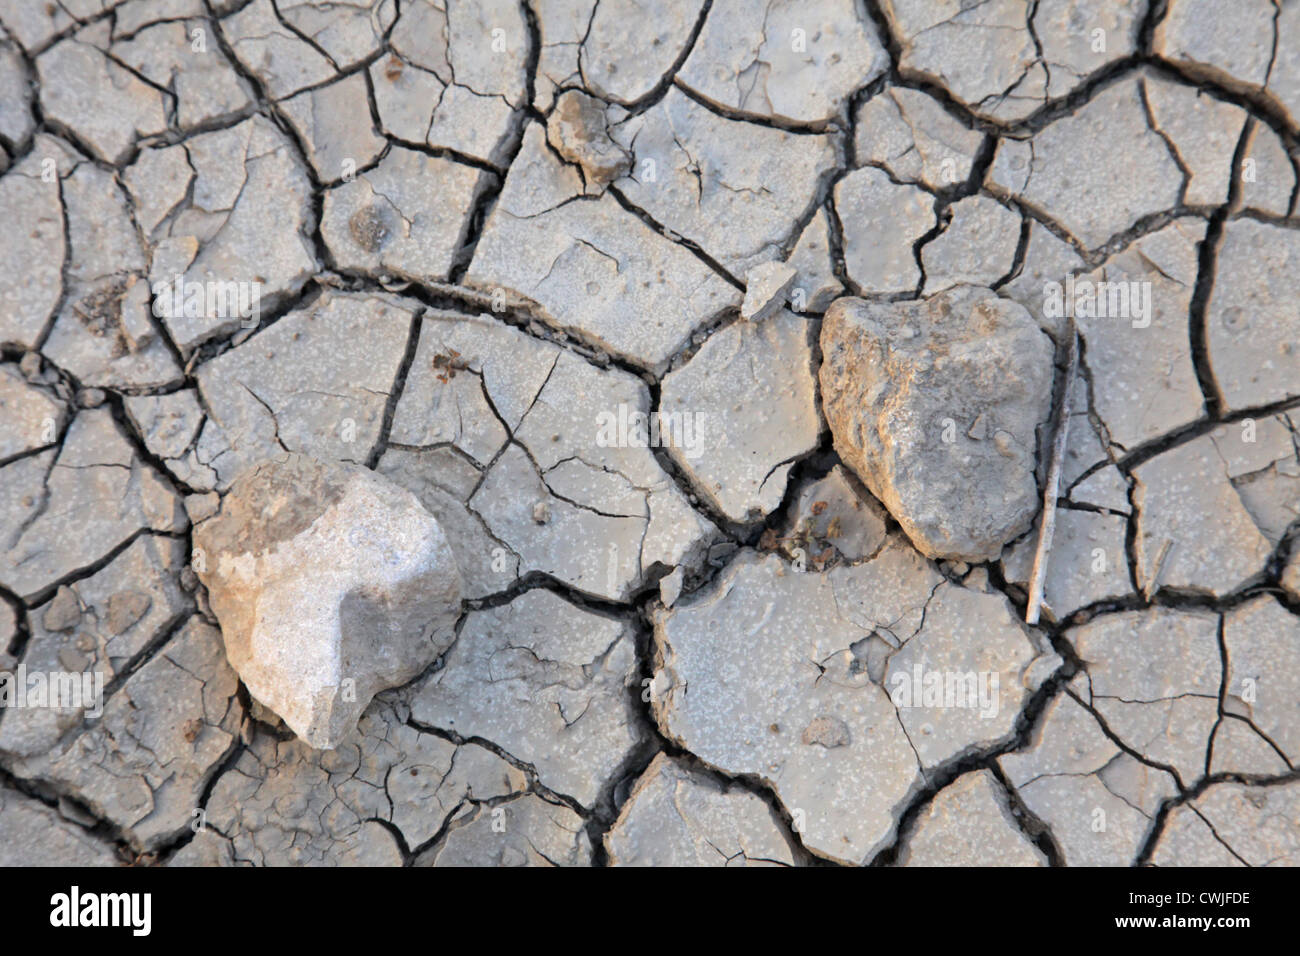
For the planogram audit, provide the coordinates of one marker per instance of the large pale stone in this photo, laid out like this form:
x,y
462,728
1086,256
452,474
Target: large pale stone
x,y
331,584
936,406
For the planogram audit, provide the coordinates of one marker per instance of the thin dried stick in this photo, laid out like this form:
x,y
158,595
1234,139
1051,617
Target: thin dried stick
x,y
1047,525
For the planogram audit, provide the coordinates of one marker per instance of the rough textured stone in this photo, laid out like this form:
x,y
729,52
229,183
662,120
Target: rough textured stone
x,y
579,129
680,817
752,394
969,823
936,406
331,584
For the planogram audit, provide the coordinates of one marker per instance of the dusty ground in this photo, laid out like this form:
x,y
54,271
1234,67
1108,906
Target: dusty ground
x,y
469,246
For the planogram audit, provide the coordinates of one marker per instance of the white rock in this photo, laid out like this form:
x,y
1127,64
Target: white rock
x,y
331,584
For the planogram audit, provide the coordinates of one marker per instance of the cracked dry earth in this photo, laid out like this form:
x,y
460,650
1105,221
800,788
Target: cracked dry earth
x,y
485,240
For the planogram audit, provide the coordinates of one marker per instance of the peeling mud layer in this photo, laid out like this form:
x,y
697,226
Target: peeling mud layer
x,y
725,349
